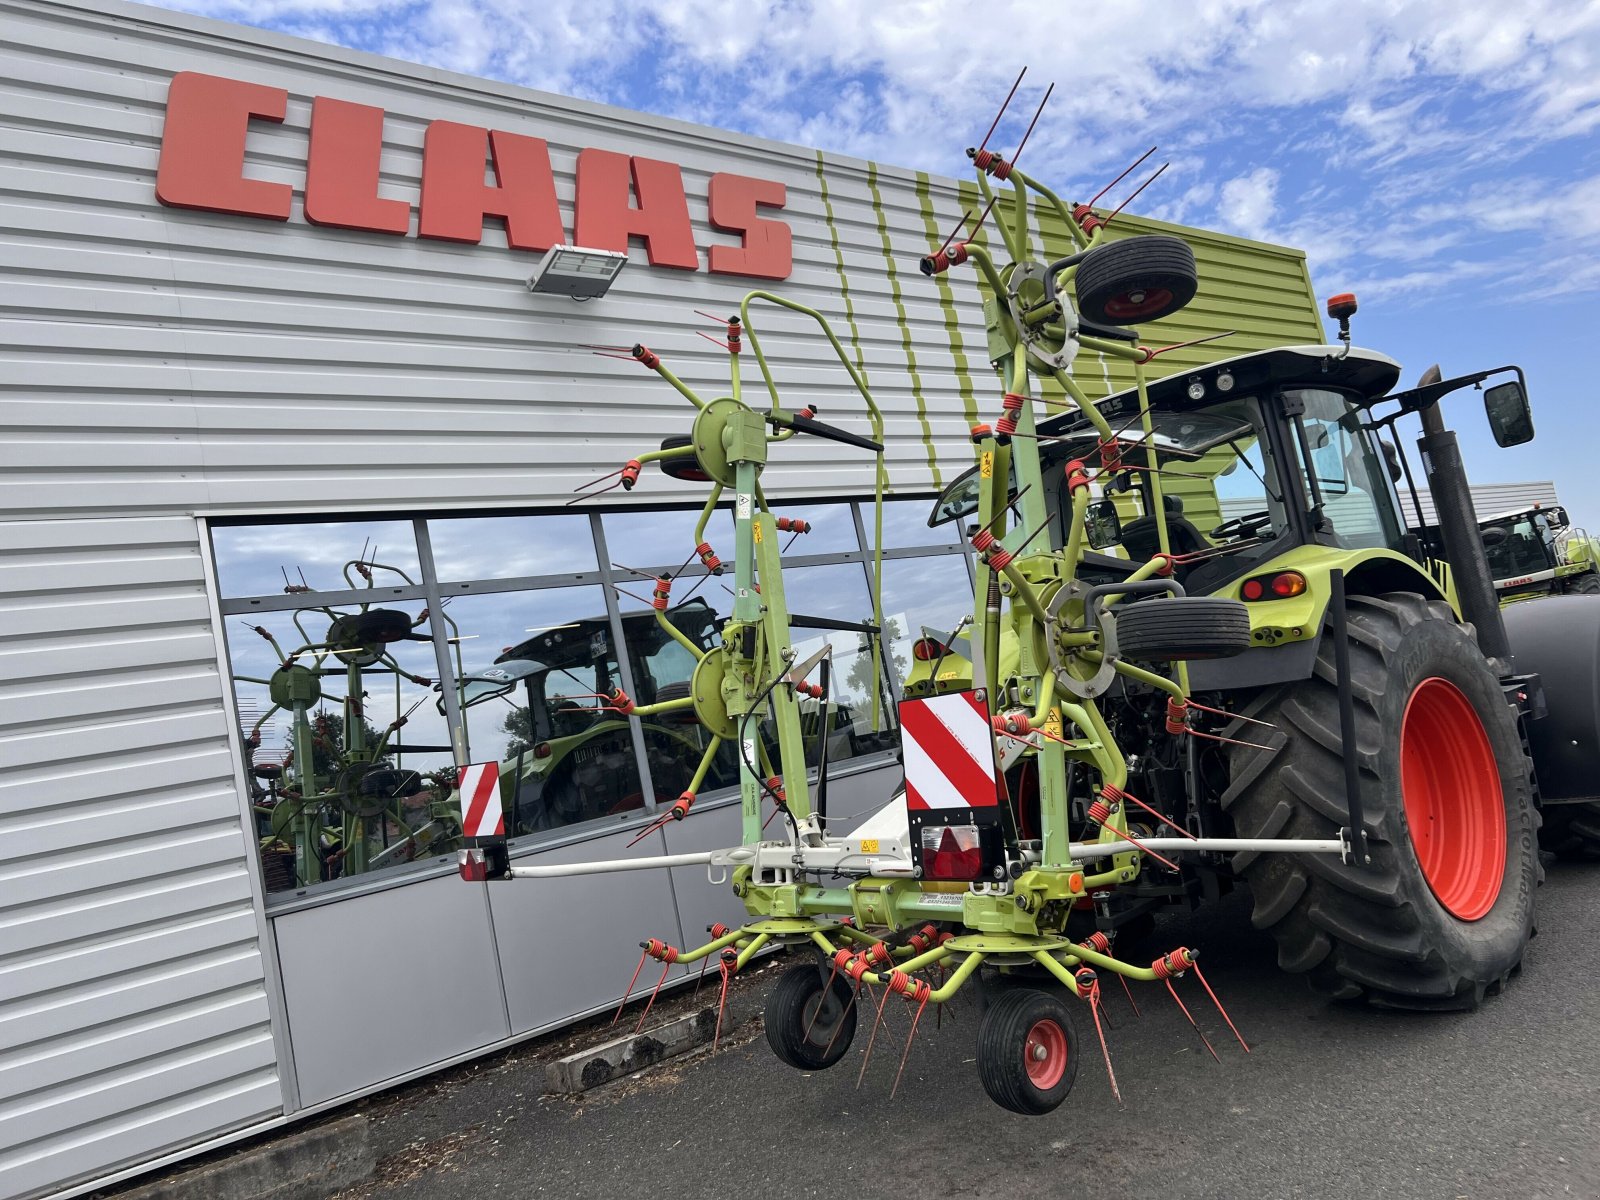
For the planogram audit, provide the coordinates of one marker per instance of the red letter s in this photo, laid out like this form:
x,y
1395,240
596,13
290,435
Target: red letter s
x,y
766,248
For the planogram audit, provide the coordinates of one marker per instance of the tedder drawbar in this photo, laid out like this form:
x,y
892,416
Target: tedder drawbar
x,y
1203,649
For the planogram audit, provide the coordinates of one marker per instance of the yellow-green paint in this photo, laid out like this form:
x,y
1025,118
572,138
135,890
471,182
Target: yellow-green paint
x,y
838,261
947,304
905,326
1273,622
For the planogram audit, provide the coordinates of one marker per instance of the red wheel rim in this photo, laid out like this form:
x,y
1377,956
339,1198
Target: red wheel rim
x,y
1044,1052
1139,303
1450,784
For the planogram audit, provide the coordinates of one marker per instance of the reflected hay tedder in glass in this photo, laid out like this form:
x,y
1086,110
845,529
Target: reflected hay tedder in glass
x,y
1063,780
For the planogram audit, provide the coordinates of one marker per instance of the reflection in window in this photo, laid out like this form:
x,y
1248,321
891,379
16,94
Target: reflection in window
x,y
540,706
922,597
905,524
350,770
466,548
324,556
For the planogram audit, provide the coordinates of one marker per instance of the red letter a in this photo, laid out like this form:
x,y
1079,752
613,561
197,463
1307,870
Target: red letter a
x,y
606,219
455,198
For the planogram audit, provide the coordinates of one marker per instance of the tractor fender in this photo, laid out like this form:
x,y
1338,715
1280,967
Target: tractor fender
x,y
1367,573
1558,639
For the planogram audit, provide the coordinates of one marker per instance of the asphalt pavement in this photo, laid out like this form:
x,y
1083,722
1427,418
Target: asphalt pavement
x,y
1331,1101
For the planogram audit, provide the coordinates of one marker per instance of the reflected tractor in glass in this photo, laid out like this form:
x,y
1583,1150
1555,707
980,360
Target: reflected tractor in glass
x,y
1204,651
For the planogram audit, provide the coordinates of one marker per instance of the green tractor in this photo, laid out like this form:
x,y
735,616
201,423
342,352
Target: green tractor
x,y
1351,675
1537,552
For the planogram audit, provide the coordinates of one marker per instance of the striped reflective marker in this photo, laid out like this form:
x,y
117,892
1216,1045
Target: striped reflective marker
x,y
949,753
481,815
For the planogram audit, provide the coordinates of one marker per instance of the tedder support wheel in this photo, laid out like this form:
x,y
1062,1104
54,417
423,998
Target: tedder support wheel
x,y
1135,280
810,1027
1445,909
1183,627
1027,1051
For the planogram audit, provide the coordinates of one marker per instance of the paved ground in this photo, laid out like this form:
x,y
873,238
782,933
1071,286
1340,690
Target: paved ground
x,y
1332,1102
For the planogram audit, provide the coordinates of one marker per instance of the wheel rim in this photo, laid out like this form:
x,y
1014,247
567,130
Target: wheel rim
x,y
819,1017
1450,784
1044,1053
1140,302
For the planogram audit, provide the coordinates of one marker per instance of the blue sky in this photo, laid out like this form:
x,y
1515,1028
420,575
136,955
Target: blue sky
x,y
1439,159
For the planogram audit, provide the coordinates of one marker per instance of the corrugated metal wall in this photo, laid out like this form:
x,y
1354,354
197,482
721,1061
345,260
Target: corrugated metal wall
x,y
161,363
133,1015
1488,499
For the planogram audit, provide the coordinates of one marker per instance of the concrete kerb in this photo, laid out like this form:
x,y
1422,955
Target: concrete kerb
x,y
305,1164
625,1055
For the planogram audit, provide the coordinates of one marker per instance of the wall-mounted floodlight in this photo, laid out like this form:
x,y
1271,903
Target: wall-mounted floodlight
x,y
577,272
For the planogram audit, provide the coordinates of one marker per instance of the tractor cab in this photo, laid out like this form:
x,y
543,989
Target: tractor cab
x,y
1536,552
1254,456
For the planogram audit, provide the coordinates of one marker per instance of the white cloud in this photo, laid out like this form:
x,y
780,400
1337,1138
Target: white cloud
x,y
1250,201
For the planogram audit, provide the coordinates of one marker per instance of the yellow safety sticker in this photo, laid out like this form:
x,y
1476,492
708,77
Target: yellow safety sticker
x,y
986,464
869,845
1052,723
757,528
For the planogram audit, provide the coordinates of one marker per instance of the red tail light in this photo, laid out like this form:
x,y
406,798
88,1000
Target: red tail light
x,y
473,865
542,750
927,649
951,852
1281,585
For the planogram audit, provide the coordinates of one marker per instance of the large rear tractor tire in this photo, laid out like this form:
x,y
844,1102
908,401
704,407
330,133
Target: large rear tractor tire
x,y
1443,912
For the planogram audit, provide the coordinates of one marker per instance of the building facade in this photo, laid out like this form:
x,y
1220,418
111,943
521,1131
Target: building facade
x,y
270,363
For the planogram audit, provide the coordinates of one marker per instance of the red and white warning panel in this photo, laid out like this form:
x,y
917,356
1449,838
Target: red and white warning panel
x,y
481,813
953,787
949,753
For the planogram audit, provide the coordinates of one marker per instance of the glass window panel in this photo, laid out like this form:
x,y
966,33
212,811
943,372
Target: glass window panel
x,y
921,595
265,560
856,725
649,541
833,527
468,548
534,664
905,523
675,741
349,763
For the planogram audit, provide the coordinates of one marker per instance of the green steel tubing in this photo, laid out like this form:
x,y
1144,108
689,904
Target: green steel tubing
x,y
1112,769
1044,959
1054,201
1073,554
1140,675
1024,589
833,340
678,635
979,257
650,456
749,952
1133,353
712,947
651,710
1085,405
705,763
705,513
1047,696
684,389
1105,962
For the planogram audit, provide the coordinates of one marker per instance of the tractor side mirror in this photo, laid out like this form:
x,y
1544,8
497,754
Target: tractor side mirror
x,y
1102,524
1391,459
1556,514
1510,418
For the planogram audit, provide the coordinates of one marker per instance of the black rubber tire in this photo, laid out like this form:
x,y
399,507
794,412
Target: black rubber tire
x,y
1588,585
1004,1050
1135,280
1378,934
792,1033
1572,831
686,468
1183,627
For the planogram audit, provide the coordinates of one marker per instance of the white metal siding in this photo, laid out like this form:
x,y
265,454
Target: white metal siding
x,y
133,1015
174,360
1488,499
